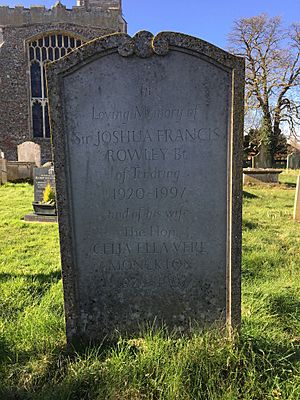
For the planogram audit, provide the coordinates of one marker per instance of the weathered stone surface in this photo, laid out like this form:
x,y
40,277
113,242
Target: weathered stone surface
x,y
19,170
296,214
100,13
293,161
3,171
32,217
260,175
261,160
29,152
148,174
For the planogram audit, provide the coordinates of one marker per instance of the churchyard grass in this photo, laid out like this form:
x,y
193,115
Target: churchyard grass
x,y
263,362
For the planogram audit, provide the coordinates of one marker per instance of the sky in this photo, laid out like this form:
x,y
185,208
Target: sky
x,y
210,20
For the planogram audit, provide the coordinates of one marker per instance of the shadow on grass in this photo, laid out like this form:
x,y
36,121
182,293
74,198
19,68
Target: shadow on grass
x,y
41,278
248,195
117,373
288,184
287,309
26,290
249,225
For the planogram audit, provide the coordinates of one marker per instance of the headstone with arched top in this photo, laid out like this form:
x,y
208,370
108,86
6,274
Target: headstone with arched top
x,y
30,152
147,141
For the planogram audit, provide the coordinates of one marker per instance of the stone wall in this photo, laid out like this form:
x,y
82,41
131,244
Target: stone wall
x,y
104,14
19,25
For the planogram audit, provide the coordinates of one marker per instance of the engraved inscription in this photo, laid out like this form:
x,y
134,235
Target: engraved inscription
x,y
150,221
145,91
146,113
132,231
180,135
125,248
141,174
141,193
143,214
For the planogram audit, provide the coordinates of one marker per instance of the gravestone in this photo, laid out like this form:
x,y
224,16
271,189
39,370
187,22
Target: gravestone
x,y
147,141
293,161
3,168
30,152
261,160
296,215
41,177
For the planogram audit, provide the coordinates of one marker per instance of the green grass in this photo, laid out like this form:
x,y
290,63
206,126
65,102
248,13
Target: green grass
x,y
263,362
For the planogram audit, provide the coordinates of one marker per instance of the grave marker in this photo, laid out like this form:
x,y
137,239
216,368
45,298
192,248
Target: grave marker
x,y
41,177
29,152
3,168
293,160
147,140
297,201
261,160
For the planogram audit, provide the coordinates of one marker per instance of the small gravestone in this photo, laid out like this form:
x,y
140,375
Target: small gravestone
x,y
41,177
293,161
3,168
29,152
261,160
147,140
297,201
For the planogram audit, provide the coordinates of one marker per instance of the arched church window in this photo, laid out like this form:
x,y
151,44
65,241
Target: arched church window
x,y
44,49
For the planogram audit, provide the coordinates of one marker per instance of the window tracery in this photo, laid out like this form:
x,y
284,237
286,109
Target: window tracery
x,y
41,50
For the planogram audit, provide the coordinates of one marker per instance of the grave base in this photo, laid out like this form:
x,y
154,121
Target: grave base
x,y
260,176
40,218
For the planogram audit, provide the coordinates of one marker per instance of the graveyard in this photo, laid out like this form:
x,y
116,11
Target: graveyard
x,y
263,362
150,205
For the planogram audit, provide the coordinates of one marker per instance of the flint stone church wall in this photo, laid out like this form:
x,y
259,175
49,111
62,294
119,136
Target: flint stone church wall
x,y
18,26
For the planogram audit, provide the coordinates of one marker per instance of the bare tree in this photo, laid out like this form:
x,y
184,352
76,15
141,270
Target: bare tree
x,y
272,73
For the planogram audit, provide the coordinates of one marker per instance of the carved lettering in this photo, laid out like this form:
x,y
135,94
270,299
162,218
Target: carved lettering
x,y
126,248
147,113
126,155
153,230
144,214
147,136
139,193
138,173
145,91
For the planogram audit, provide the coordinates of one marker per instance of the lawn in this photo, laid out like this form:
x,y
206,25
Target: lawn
x,y
262,362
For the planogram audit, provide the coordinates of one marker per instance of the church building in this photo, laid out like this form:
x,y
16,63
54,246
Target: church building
x,y
29,38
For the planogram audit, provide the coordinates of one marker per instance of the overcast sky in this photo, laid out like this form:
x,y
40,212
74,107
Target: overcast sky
x,y
209,20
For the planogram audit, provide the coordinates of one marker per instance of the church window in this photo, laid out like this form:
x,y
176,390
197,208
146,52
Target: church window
x,y
44,49
37,119
36,82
